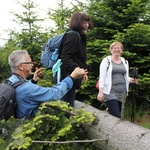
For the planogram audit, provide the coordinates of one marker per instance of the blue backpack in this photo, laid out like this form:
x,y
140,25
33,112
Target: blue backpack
x,y
49,48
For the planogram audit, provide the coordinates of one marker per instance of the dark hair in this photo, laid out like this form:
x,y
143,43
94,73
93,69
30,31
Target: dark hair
x,y
77,19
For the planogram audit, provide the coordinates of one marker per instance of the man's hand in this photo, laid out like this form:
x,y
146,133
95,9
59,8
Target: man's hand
x,y
78,73
38,74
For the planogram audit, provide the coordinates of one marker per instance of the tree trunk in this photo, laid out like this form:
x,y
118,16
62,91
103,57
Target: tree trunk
x,y
117,134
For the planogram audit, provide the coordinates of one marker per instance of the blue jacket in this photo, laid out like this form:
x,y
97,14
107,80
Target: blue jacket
x,y
29,96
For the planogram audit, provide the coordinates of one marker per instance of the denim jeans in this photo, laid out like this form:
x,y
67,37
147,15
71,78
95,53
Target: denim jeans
x,y
70,97
114,107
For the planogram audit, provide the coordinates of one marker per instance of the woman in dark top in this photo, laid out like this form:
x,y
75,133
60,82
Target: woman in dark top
x,y
73,52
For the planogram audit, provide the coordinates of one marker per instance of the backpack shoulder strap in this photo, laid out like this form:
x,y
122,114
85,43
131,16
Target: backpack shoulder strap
x,y
74,32
18,83
69,31
19,77
123,59
108,59
21,80
14,85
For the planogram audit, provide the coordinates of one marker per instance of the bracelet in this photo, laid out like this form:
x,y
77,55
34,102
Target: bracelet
x,y
72,79
33,81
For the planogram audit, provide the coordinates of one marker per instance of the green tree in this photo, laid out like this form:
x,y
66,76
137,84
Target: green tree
x,y
62,14
4,53
29,37
137,49
124,21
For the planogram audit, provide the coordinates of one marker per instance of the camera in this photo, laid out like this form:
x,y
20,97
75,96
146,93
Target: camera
x,y
134,73
36,66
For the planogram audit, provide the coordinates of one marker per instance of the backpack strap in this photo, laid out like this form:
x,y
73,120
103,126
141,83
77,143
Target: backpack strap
x,y
67,32
124,60
108,63
15,85
18,83
18,76
56,67
74,32
21,80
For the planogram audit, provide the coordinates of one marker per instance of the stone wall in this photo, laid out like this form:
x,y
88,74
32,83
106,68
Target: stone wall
x,y
114,133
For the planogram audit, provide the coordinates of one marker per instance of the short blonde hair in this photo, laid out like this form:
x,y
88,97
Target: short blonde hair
x,y
113,45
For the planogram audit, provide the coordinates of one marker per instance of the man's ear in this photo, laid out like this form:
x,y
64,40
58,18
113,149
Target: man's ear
x,y
20,67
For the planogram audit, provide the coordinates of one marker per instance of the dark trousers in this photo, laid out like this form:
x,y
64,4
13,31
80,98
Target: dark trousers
x,y
114,107
70,97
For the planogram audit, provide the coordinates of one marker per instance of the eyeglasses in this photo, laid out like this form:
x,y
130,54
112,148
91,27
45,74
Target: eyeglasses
x,y
27,62
117,48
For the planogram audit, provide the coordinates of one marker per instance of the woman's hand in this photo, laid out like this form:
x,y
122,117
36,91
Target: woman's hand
x,y
78,73
85,78
134,80
100,95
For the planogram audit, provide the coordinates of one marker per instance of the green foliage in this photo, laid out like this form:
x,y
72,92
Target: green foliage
x,y
125,21
141,116
50,124
136,43
62,14
47,80
4,53
29,37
